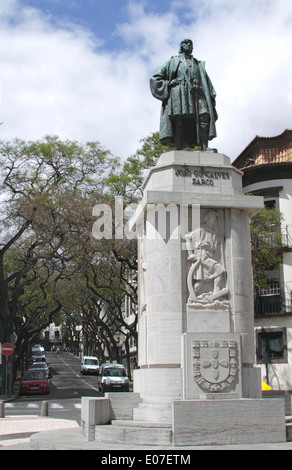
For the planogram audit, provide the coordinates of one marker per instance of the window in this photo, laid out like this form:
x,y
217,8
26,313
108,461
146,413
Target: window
x,y
270,204
271,345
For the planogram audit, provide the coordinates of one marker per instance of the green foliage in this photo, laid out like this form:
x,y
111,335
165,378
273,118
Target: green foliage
x,y
266,244
51,268
45,187
126,180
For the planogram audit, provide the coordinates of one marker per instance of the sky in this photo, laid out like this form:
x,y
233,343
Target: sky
x,y
80,69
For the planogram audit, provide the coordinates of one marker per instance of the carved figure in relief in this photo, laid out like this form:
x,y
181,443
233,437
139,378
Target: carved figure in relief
x,y
202,245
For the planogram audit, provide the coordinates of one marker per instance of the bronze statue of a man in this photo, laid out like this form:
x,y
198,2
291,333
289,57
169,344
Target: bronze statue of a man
x,y
188,112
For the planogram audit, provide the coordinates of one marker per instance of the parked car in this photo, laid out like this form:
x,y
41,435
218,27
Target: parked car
x,y
37,347
39,358
34,381
43,366
89,365
113,377
38,353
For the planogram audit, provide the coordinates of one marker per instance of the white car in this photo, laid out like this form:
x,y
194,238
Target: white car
x,y
113,377
89,365
38,353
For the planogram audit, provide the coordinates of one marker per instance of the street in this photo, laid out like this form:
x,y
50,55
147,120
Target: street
x,y
67,386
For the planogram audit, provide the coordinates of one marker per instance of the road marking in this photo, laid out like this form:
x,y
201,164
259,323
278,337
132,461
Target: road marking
x,y
56,406
53,406
77,375
90,386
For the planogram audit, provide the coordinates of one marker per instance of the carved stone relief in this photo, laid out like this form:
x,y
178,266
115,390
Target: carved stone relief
x,y
207,277
215,365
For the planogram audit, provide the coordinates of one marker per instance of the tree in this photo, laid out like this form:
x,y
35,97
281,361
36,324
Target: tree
x,y
112,281
41,184
266,241
51,267
126,179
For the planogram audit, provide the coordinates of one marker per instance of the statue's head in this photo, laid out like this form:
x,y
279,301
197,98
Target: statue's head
x,y
210,218
186,41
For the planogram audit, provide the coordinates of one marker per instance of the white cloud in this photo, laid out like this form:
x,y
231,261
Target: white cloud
x,y
247,48
7,8
249,57
57,79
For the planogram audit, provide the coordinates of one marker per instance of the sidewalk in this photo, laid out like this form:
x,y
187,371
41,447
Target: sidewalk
x,y
15,431
37,433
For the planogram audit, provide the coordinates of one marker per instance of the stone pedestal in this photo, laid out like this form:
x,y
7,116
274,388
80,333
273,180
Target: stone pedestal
x,y
193,228
197,381
196,325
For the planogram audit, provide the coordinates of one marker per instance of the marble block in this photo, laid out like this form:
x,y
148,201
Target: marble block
x,y
212,365
208,320
243,421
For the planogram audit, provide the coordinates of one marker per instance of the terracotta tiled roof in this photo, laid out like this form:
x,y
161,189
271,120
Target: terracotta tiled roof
x,y
247,156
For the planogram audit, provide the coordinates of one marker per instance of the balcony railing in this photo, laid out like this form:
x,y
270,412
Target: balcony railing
x,y
281,240
271,290
273,300
286,238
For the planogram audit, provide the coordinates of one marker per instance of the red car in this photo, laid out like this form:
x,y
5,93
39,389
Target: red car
x,y
34,381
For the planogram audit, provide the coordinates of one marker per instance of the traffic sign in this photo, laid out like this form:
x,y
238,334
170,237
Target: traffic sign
x,y
7,349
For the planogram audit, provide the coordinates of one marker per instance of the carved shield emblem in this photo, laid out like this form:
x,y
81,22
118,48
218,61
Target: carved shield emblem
x,y
215,365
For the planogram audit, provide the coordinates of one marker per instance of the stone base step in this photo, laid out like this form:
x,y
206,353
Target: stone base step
x,y
146,433
139,424
134,432
153,412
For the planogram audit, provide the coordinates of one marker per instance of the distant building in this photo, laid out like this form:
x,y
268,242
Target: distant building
x,y
266,164
52,336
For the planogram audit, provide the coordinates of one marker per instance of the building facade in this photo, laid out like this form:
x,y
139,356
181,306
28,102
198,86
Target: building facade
x,y
266,164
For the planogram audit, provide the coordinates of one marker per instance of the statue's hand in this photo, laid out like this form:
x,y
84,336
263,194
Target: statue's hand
x,y
174,83
197,90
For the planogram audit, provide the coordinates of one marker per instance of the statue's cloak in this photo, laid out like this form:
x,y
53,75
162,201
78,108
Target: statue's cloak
x,y
160,89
